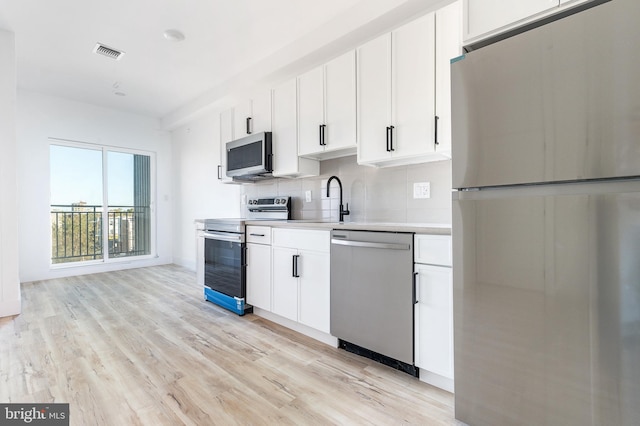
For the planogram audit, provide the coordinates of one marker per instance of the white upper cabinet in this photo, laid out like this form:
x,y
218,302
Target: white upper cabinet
x,y
226,135
448,46
340,105
253,115
484,18
242,119
327,109
311,112
374,99
413,88
404,91
286,162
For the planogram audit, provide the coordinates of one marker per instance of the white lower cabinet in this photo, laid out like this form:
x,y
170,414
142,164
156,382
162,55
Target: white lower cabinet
x,y
259,267
285,284
259,275
434,310
300,265
313,289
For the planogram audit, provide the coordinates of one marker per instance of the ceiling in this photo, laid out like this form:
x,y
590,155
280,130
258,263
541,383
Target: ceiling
x,y
227,42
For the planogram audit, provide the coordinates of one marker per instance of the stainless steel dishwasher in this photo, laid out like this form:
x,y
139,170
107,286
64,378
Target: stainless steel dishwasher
x,y
372,295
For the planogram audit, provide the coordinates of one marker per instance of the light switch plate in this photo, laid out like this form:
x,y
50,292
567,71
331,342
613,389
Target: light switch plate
x,y
422,190
307,196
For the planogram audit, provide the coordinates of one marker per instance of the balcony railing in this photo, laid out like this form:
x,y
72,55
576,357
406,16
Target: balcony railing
x,y
77,232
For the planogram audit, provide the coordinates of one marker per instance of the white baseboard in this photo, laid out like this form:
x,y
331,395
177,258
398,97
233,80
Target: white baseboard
x,y
437,380
296,326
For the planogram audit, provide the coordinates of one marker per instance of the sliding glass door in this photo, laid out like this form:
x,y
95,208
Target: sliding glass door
x,y
101,202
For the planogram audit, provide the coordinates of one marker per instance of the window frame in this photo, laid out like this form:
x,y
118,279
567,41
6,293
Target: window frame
x,y
105,149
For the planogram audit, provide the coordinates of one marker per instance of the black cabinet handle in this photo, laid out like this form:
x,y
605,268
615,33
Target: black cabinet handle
x,y
388,147
322,142
415,284
436,130
391,148
248,125
256,235
219,172
243,259
294,261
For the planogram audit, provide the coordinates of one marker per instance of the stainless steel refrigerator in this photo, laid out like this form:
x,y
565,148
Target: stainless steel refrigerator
x,y
546,223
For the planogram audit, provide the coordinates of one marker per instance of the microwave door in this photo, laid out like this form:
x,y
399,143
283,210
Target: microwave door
x,y
249,156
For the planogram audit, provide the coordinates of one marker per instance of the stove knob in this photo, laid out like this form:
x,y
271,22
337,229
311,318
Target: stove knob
x,y
283,201
277,200
251,201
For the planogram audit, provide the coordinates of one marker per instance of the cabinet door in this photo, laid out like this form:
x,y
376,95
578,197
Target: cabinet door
x,y
374,99
413,87
241,113
259,276
310,111
448,46
286,162
261,112
483,16
314,309
434,319
285,150
226,135
285,285
340,103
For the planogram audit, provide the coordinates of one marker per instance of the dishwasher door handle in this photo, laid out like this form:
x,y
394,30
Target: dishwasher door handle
x,y
368,244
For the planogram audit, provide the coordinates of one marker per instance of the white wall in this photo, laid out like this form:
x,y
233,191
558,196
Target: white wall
x,y
197,192
9,282
40,117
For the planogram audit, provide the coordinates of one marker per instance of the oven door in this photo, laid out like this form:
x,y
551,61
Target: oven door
x,y
224,263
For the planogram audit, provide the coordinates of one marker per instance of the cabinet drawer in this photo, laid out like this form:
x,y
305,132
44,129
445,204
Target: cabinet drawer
x,y
433,249
259,234
302,239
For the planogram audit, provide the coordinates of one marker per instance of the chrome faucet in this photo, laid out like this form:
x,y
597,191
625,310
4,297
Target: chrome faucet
x,y
343,212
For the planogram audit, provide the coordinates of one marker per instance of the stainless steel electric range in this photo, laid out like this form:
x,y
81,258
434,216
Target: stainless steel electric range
x,y
221,259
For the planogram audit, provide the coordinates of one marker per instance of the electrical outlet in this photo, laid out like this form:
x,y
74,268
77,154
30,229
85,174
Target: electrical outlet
x,y
422,190
307,196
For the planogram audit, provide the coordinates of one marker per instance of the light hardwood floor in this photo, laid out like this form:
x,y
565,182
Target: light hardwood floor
x,y
142,347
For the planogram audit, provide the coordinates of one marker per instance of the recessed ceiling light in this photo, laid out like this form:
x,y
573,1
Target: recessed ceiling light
x,y
174,35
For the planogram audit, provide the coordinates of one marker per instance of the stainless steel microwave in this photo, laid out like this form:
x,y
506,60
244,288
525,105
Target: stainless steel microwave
x,y
250,158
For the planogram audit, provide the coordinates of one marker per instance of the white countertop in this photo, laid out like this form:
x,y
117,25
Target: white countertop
x,y
419,228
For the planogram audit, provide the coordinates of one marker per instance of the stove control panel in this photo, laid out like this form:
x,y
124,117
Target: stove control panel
x,y
279,202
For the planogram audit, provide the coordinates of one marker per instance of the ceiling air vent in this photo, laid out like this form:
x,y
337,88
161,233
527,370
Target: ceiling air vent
x,y
107,51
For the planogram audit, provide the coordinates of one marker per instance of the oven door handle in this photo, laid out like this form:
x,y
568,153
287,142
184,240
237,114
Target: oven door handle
x,y
222,236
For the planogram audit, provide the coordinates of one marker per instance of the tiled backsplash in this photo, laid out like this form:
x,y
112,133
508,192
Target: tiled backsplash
x,y
373,194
